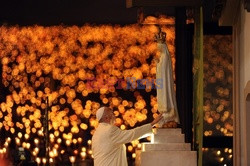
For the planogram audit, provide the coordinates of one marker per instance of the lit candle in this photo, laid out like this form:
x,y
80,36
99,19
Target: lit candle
x,y
68,142
72,160
26,136
28,145
8,139
6,144
44,160
36,141
51,160
38,160
83,149
36,149
83,155
134,155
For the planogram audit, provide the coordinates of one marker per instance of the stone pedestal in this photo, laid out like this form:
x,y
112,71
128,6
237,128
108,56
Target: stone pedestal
x,y
167,148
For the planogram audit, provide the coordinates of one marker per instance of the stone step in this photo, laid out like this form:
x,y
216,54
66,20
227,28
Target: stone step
x,y
155,138
166,147
167,131
163,158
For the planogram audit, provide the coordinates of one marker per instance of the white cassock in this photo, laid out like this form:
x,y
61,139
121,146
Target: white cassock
x,y
166,99
108,143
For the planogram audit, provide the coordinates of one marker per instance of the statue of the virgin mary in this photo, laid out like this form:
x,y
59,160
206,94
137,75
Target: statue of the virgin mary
x,y
166,98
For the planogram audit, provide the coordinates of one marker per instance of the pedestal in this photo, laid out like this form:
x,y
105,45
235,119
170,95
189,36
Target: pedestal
x,y
167,148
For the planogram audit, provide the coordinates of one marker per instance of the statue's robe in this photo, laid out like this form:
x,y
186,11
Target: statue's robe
x,y
166,99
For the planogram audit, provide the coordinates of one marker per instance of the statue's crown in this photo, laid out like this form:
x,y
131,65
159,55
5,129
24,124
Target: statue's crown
x,y
161,36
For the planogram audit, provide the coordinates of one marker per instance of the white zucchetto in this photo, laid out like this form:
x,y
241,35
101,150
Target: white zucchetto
x,y
99,113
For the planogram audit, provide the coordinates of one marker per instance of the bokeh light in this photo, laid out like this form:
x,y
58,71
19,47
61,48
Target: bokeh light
x,y
218,114
78,69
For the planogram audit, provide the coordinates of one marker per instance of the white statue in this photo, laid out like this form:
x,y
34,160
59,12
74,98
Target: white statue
x,y
166,98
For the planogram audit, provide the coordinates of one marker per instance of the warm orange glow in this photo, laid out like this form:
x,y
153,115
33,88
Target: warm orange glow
x,y
218,85
69,65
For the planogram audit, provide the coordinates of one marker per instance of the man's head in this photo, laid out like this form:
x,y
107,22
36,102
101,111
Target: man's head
x,y
105,114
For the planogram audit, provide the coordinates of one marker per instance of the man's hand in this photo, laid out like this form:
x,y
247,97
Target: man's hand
x,y
159,117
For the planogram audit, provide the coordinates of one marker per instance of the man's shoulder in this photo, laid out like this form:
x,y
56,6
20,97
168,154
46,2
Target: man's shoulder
x,y
106,126
105,130
112,127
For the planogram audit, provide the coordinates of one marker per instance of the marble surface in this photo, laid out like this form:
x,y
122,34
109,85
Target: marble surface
x,y
168,138
167,158
167,148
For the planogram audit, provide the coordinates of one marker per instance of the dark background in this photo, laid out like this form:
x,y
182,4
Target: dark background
x,y
79,12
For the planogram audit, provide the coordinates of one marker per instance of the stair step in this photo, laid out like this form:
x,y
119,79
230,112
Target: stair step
x,y
163,158
167,131
166,147
156,138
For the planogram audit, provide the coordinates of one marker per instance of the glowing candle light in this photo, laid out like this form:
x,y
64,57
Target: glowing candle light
x,y
74,141
79,140
134,155
139,146
36,141
19,134
72,160
51,154
130,148
19,70
24,144
123,127
38,160
84,149
40,132
51,160
75,152
18,141
6,144
26,136
90,152
28,145
83,155
62,151
218,152
59,140
44,160
34,153
8,139
56,146
55,152
68,142
36,149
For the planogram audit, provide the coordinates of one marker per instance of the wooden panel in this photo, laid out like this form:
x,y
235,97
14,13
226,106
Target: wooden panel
x,y
157,3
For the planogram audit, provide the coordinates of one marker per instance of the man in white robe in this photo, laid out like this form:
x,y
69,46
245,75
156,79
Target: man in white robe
x,y
108,140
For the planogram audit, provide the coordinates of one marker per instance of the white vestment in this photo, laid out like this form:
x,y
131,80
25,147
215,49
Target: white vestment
x,y
166,99
108,143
